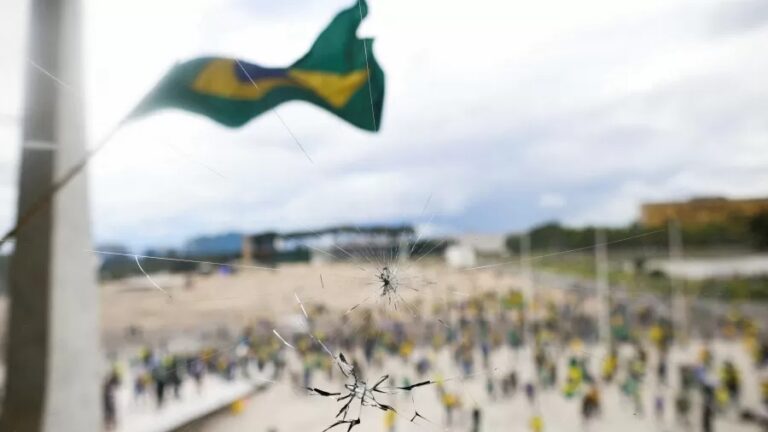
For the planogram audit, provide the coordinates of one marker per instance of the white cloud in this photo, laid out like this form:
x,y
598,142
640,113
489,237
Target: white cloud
x,y
551,200
488,108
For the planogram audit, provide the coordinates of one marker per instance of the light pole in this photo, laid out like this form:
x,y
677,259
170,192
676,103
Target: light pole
x,y
603,295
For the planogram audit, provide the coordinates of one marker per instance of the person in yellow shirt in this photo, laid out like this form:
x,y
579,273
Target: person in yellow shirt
x,y
237,406
655,333
536,424
390,418
731,381
573,379
610,364
406,349
450,402
722,398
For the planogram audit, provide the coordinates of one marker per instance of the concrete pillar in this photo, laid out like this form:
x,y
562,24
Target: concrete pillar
x,y
53,359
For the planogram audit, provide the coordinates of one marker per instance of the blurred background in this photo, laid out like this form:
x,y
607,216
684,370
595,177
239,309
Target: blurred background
x,y
569,201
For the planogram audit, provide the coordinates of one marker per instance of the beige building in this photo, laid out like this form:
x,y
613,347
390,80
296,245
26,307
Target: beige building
x,y
702,211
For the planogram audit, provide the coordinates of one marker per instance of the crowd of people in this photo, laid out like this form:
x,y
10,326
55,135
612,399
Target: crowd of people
x,y
559,336
637,362
157,375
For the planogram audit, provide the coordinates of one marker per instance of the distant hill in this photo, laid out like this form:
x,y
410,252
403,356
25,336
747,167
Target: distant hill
x,y
223,244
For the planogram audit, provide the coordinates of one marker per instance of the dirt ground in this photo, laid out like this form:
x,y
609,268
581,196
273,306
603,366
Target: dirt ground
x,y
234,300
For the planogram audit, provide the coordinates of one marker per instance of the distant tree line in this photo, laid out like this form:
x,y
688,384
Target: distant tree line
x,y
172,261
745,233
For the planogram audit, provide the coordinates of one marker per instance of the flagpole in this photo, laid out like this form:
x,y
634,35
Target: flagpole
x,y
679,312
525,266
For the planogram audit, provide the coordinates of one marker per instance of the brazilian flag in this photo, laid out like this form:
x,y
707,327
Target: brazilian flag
x,y
339,73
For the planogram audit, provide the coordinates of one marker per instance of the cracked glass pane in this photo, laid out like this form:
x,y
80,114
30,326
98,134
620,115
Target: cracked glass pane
x,y
217,224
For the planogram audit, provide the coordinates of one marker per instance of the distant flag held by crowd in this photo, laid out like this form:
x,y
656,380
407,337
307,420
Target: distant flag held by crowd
x,y
339,74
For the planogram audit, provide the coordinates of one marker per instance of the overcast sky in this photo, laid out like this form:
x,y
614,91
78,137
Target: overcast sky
x,y
507,113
